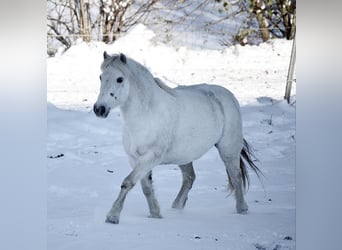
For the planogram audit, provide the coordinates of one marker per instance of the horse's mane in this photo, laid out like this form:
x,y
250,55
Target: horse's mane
x,y
164,87
114,61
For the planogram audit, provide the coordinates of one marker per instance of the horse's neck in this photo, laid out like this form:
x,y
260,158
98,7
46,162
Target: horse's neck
x,y
145,98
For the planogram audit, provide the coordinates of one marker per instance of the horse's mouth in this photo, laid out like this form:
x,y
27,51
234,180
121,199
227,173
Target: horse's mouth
x,y
101,111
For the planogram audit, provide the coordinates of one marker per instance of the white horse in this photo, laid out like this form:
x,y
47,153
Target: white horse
x,y
162,125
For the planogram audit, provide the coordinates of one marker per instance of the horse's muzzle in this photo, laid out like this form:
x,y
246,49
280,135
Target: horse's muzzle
x,y
101,111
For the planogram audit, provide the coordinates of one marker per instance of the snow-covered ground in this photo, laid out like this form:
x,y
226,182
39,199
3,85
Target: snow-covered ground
x,y
87,163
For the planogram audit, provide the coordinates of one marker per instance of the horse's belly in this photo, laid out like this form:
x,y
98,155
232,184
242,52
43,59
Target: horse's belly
x,y
186,153
194,137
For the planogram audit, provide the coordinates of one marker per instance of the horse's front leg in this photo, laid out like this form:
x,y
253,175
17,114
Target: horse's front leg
x,y
139,172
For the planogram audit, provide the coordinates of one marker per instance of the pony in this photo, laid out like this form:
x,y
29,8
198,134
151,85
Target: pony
x,y
163,125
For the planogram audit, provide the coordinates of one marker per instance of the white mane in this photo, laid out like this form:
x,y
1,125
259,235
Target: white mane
x,y
163,86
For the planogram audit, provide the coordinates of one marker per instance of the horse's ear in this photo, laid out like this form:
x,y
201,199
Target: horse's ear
x,y
123,58
105,55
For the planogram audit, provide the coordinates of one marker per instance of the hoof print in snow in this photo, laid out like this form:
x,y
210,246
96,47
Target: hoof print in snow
x,y
265,100
55,156
197,237
72,234
110,171
260,247
288,238
277,247
267,121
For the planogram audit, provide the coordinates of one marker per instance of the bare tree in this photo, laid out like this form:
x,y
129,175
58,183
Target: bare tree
x,y
235,21
257,8
275,17
112,13
57,24
69,19
84,24
93,20
265,18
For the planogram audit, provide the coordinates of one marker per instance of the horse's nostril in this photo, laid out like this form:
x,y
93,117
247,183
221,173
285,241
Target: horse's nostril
x,y
102,110
99,110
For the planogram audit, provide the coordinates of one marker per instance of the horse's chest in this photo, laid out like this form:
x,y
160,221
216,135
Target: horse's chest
x,y
141,141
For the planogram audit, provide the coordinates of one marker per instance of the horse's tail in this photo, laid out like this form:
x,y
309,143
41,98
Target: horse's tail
x,y
246,156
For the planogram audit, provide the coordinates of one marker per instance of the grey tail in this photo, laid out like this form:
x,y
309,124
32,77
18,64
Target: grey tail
x,y
246,157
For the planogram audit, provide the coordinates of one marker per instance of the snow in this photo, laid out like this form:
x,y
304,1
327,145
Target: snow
x,y
87,163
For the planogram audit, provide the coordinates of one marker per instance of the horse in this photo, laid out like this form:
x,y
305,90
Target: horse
x,y
163,125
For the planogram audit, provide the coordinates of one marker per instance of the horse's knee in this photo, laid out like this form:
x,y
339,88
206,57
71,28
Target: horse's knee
x,y
127,184
146,184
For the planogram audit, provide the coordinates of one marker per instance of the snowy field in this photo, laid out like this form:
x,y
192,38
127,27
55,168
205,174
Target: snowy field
x,y
87,163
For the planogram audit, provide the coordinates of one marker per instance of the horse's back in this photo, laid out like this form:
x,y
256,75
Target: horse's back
x,y
202,115
215,92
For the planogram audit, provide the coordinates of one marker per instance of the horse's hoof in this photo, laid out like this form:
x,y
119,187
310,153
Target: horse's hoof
x,y
178,206
155,216
243,209
112,219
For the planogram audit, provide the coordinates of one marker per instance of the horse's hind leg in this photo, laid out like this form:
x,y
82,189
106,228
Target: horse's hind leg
x,y
189,176
235,177
147,187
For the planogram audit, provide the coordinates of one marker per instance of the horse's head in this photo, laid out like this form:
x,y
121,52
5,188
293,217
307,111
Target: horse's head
x,y
114,84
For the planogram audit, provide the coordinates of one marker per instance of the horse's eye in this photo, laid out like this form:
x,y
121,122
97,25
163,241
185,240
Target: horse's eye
x,y
119,80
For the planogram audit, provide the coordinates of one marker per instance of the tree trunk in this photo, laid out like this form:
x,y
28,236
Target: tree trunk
x,y
84,29
265,33
72,18
81,22
288,14
293,26
108,21
88,22
258,8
